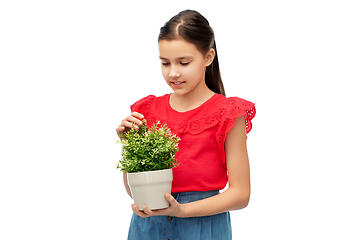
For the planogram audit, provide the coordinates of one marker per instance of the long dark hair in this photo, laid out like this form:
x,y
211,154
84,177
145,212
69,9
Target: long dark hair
x,y
194,28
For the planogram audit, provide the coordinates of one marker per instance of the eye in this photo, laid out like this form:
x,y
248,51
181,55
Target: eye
x,y
165,63
184,63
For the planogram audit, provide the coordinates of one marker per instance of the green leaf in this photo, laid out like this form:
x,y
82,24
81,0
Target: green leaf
x,y
148,149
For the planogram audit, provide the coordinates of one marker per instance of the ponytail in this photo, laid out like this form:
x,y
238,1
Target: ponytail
x,y
212,77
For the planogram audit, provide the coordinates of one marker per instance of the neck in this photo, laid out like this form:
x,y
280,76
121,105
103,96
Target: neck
x,y
191,100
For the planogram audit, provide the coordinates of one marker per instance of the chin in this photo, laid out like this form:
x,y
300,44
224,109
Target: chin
x,y
179,91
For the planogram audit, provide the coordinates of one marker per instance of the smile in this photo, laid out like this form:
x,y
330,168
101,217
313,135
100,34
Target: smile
x,y
177,83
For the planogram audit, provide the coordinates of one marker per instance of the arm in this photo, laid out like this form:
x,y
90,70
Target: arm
x,y
127,124
235,197
237,162
126,184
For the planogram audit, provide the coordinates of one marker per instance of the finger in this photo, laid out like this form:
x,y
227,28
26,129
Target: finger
x,y
139,213
170,199
147,211
158,212
137,115
132,119
129,121
125,125
120,129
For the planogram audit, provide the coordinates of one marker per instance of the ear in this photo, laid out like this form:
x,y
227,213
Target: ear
x,y
209,57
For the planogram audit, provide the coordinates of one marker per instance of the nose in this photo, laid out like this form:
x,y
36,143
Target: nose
x,y
173,74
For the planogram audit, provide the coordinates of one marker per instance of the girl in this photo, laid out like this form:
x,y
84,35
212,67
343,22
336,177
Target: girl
x,y
212,129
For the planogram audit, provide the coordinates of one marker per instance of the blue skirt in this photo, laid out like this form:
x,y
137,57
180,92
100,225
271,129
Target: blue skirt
x,y
215,227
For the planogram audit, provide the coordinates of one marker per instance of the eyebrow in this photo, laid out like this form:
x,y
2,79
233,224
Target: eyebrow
x,y
180,58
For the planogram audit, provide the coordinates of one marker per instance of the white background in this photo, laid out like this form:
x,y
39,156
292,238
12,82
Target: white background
x,y
69,71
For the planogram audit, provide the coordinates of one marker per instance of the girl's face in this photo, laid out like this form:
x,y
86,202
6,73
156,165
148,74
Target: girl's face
x,y
183,65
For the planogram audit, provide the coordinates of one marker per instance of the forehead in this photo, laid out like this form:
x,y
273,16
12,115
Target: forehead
x,y
175,49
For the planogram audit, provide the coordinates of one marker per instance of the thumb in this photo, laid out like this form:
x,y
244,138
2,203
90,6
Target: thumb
x,y
170,198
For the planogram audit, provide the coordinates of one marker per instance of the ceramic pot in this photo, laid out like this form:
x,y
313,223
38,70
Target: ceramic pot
x,y
148,188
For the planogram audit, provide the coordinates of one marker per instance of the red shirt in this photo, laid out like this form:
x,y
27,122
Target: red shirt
x,y
202,131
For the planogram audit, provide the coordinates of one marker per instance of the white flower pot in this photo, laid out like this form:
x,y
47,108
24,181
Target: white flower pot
x,y
148,188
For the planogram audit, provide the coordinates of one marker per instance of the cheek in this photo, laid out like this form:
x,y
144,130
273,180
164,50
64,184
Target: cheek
x,y
193,72
165,72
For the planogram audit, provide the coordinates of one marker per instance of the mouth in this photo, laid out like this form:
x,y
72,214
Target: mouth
x,y
177,83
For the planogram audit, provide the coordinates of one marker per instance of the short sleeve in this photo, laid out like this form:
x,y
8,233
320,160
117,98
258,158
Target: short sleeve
x,y
143,105
235,107
231,109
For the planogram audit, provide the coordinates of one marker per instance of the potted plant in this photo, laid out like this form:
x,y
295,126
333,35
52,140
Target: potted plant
x,y
148,156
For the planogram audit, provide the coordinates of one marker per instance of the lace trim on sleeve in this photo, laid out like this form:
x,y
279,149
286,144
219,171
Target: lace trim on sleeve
x,y
233,108
236,107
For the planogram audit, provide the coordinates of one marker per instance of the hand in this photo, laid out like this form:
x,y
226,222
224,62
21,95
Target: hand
x,y
126,123
175,209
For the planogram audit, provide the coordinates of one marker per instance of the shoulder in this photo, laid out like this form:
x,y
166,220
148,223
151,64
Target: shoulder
x,y
143,105
234,107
